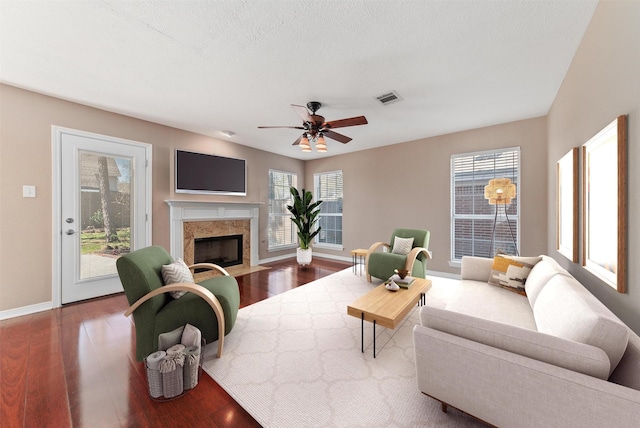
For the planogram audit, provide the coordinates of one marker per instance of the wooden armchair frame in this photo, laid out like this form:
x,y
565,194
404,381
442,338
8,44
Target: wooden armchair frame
x,y
196,289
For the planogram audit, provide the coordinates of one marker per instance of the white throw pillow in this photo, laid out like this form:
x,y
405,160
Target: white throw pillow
x,y
174,273
402,245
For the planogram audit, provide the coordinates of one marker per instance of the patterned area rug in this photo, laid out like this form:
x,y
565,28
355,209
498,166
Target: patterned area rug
x,y
294,360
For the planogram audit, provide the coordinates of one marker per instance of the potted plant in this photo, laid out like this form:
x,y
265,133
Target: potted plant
x,y
304,215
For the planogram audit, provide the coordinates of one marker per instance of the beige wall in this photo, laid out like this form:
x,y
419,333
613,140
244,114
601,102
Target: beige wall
x,y
379,181
602,83
375,180
25,158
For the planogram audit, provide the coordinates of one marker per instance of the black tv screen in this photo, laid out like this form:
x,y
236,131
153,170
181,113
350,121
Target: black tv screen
x,y
202,173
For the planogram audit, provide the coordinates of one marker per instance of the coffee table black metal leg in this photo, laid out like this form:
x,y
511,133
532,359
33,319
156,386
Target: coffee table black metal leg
x,y
362,333
374,338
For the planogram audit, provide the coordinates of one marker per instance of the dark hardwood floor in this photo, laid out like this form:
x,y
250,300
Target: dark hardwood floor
x,y
75,366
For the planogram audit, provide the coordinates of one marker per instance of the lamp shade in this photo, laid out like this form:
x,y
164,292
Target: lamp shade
x,y
304,144
321,146
500,191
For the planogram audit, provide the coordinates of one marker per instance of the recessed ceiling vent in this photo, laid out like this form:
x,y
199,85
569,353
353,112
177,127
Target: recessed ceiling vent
x,y
389,98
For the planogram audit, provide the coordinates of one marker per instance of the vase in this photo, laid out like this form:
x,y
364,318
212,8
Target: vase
x,y
304,256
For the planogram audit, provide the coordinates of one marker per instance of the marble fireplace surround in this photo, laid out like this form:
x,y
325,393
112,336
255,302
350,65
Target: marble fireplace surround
x,y
196,219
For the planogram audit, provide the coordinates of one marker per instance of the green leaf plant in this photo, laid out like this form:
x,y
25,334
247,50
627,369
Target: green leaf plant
x,y
304,215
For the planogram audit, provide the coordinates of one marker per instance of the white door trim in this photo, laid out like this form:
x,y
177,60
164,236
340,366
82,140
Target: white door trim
x,y
56,196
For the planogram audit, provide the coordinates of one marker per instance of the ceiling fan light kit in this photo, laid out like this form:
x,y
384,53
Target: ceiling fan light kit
x,y
315,128
304,144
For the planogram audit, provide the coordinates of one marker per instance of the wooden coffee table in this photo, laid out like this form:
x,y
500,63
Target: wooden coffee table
x,y
388,308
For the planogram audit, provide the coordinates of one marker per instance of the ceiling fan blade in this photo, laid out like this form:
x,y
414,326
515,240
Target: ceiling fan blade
x,y
290,127
341,123
297,142
335,136
302,112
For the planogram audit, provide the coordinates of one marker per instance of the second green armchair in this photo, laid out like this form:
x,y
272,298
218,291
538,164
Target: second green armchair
x,y
382,264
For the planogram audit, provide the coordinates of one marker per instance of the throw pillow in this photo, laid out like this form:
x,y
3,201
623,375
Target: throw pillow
x,y
402,245
174,273
511,272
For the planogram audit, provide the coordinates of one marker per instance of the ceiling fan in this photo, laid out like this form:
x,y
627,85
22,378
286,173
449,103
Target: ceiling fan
x,y
315,128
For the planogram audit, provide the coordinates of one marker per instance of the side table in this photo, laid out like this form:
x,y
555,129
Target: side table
x,y
358,256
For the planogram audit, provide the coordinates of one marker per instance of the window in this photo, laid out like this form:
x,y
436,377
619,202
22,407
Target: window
x,y
282,231
472,218
328,188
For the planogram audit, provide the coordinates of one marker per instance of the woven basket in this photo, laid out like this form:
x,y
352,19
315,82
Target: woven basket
x,y
175,383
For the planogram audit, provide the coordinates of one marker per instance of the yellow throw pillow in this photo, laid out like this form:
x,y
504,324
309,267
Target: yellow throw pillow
x,y
511,272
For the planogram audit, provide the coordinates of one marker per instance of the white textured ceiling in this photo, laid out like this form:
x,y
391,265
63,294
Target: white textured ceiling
x,y
207,66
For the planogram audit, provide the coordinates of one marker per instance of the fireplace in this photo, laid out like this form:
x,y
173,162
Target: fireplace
x,y
191,220
221,250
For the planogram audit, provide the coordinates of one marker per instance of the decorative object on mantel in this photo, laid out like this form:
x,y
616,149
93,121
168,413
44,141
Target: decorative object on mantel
x,y
499,192
305,215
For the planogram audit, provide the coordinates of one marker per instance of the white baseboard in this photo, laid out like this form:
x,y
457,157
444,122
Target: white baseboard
x,y
443,274
350,260
319,255
25,310
332,257
276,259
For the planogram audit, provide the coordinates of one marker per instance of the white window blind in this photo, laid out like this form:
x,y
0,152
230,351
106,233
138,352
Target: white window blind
x,y
282,231
472,218
328,188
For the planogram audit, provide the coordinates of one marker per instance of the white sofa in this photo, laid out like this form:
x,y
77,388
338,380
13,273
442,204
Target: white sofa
x,y
556,357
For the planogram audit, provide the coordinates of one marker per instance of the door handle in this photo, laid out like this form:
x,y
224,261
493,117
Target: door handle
x,y
70,232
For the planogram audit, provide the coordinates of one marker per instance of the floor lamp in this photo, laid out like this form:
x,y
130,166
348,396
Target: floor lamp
x,y
498,192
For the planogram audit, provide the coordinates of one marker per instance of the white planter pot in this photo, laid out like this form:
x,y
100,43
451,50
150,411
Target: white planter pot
x,y
304,256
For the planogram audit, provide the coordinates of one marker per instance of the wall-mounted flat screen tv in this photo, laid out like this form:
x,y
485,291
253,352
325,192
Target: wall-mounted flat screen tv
x,y
202,173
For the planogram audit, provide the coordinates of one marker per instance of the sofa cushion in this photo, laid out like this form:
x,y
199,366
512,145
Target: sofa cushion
x,y
482,300
476,268
511,272
564,308
575,356
541,273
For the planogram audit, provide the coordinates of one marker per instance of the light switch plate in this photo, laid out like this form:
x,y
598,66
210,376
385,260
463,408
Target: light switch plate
x,y
28,191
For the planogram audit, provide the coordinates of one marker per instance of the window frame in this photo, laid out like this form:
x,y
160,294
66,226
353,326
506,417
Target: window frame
x,y
453,216
294,244
317,196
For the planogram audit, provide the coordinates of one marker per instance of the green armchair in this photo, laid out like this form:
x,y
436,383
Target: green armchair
x,y
382,264
211,306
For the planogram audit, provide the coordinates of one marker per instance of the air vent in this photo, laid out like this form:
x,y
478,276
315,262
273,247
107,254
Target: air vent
x,y
389,98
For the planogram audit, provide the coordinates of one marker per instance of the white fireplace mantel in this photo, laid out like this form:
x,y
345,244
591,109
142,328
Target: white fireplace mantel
x,y
181,211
